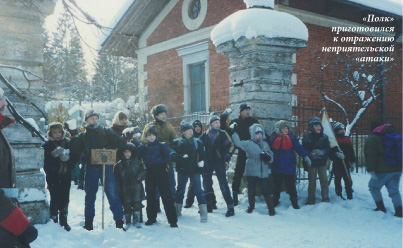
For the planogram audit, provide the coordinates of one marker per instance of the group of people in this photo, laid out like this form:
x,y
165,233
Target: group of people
x,y
152,153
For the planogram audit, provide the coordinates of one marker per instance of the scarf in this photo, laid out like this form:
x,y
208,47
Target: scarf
x,y
282,142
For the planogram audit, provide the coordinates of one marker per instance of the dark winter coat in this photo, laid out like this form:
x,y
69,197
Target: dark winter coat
x,y
374,151
155,154
243,126
255,166
221,147
284,157
129,174
349,156
10,215
55,169
182,146
165,132
7,161
118,129
317,142
95,138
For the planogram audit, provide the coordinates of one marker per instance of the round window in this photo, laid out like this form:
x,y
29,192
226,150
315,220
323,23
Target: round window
x,y
194,9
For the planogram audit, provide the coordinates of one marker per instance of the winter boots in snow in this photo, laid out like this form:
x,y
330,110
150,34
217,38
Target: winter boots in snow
x,y
380,207
398,211
149,222
251,199
230,212
88,225
270,206
63,219
119,224
136,219
173,225
178,208
54,218
203,213
128,219
235,196
294,202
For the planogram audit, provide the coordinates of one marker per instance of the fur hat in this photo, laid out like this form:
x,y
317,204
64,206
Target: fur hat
x,y
54,126
158,109
337,126
89,113
213,118
280,125
185,125
151,130
128,146
314,121
243,106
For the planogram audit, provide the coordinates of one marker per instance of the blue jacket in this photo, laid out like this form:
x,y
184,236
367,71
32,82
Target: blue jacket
x,y
155,154
284,160
318,147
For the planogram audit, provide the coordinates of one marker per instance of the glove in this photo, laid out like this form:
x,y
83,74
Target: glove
x,y
185,156
265,157
57,152
352,167
374,176
201,164
29,235
65,155
233,127
227,158
308,161
340,155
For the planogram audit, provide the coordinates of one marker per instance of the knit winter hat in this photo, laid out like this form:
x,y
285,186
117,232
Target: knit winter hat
x,y
214,118
258,130
151,130
185,125
243,106
89,113
314,120
337,126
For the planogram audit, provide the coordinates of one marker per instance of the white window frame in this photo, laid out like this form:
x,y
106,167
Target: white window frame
x,y
192,55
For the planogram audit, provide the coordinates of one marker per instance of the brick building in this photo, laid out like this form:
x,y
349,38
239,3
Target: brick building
x,y
178,64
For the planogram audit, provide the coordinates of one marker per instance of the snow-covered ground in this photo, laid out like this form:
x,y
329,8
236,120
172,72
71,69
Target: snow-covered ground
x,y
336,224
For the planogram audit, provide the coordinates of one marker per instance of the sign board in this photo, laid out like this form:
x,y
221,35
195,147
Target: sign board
x,y
103,156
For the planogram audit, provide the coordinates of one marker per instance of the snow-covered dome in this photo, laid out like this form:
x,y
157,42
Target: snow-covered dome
x,y
254,22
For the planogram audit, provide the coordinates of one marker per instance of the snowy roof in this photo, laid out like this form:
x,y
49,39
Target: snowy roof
x,y
256,22
391,6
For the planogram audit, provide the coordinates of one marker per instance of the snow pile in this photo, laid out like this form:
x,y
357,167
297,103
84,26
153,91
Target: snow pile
x,y
259,3
252,23
31,195
335,224
32,123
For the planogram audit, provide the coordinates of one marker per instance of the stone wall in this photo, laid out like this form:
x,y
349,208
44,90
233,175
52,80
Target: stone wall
x,y
21,45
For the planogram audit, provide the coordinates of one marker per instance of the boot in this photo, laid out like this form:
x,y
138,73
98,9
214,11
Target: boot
x,y
349,195
150,222
128,219
119,224
136,219
88,225
188,204
398,211
80,185
178,208
294,202
203,213
251,199
54,218
63,220
235,196
380,207
230,212
173,225
270,206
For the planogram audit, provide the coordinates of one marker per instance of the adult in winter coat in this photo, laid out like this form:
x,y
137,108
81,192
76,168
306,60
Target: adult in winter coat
x,y
15,229
257,171
119,123
318,146
155,156
189,165
219,149
58,164
244,121
129,173
165,133
97,137
383,172
342,170
284,144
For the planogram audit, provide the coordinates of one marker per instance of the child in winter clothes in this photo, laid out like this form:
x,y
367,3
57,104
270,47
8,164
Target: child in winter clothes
x,y
316,143
219,149
189,164
258,157
58,165
129,173
155,156
283,143
347,155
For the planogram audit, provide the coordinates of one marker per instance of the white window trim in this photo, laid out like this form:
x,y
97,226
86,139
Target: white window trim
x,y
191,55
